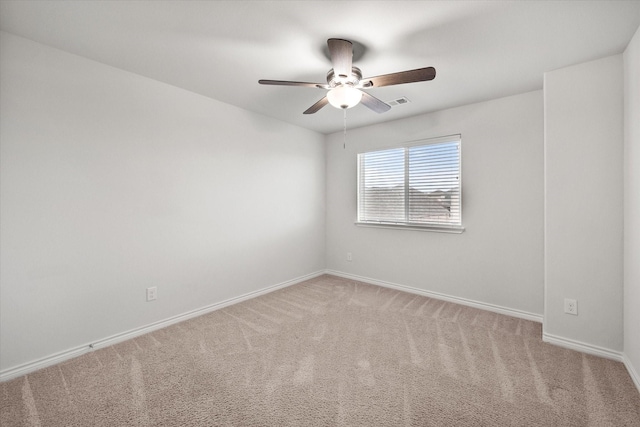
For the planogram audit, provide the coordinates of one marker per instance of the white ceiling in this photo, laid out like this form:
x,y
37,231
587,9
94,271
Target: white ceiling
x,y
481,49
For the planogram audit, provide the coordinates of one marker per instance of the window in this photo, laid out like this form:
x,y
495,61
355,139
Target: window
x,y
416,185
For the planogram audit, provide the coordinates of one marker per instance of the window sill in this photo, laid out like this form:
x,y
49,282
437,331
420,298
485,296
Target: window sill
x,y
455,229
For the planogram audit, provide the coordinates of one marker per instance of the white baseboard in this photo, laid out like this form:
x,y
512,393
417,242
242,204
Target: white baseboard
x,y
582,347
436,295
596,351
17,371
546,337
62,356
632,371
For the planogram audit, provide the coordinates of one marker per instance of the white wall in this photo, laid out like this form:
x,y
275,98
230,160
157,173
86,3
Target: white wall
x,y
112,182
583,107
498,260
632,205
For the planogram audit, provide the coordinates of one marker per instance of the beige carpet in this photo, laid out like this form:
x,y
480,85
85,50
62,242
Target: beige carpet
x,y
330,352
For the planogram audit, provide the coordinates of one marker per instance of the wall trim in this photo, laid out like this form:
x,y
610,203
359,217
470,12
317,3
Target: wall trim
x,y
29,367
632,371
436,295
582,347
596,351
65,355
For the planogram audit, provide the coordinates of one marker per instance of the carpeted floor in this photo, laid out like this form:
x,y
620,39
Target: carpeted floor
x,y
330,352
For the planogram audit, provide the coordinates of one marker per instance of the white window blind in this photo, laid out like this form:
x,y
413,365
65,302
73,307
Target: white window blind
x,y
416,184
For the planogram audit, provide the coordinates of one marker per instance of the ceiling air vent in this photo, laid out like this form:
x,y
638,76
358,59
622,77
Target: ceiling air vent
x,y
399,101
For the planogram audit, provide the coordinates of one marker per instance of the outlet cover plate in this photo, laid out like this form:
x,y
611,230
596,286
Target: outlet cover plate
x,y
571,306
152,293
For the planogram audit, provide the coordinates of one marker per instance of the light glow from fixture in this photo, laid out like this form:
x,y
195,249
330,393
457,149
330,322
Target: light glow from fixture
x,y
344,96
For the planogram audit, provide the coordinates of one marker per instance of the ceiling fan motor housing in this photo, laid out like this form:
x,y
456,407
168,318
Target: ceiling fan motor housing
x,y
353,80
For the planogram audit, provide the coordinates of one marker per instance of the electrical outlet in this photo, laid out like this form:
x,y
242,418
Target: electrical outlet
x,y
571,306
152,293
349,257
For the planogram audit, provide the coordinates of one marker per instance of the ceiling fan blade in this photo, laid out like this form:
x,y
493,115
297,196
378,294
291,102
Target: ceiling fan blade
x,y
411,76
317,106
341,52
374,103
290,83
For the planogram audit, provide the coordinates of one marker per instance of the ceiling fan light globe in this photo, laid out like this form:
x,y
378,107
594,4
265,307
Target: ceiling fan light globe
x,y
344,97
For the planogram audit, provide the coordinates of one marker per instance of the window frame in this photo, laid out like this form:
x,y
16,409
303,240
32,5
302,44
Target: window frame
x,y
443,228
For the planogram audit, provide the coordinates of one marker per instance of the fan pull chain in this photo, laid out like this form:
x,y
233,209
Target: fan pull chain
x,y
344,140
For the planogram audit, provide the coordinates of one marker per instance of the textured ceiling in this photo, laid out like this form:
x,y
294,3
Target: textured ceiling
x,y
481,49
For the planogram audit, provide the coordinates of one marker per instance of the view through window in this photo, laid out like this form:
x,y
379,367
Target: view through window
x,y
417,184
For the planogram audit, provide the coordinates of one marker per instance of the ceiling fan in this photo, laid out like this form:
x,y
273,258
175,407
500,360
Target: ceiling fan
x,y
344,81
